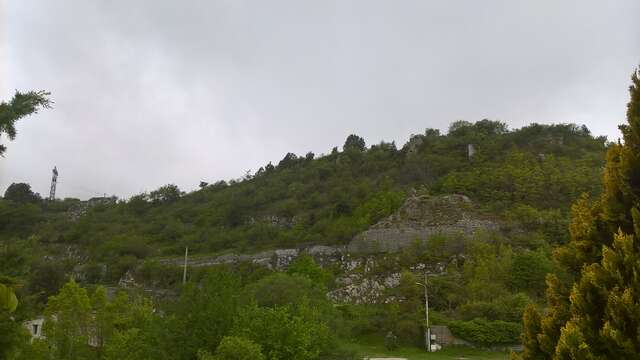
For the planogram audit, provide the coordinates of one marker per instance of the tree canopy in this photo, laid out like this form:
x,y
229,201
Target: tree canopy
x,y
21,105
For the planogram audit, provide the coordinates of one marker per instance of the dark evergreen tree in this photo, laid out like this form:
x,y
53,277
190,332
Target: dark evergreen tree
x,y
354,142
21,193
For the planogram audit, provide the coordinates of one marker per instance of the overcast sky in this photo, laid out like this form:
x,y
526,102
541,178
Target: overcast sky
x,y
154,92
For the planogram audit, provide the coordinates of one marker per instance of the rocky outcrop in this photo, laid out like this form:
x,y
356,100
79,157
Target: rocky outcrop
x,y
273,259
361,279
78,210
418,219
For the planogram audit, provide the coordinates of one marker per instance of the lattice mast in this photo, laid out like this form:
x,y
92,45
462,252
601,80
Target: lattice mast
x,y
54,181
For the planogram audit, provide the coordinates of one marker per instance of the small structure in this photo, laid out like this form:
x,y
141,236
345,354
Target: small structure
x,y
442,336
471,151
35,328
54,182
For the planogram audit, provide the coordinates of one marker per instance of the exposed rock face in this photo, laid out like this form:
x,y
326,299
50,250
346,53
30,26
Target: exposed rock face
x,y
361,280
419,218
82,207
362,289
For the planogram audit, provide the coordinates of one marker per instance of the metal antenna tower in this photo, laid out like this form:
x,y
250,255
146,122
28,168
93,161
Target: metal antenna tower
x,y
54,181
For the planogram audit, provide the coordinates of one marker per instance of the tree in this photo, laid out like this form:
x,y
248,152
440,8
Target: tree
x,y
280,289
13,336
134,344
237,348
46,278
8,300
288,161
203,315
68,323
305,265
354,142
532,350
21,105
528,271
459,126
603,257
165,194
21,193
284,334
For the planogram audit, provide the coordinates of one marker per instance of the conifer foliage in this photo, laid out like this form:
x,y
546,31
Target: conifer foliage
x,y
600,317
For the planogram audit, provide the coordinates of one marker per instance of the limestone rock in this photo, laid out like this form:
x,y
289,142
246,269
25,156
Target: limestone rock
x,y
419,218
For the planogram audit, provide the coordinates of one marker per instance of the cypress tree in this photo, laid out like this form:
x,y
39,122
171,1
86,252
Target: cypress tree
x,y
532,350
600,319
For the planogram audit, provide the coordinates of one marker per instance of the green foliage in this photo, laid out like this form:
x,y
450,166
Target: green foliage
x,y
598,319
391,341
528,271
21,193
304,265
204,314
165,194
327,199
68,323
237,348
18,220
8,299
532,350
13,336
507,308
354,143
21,105
487,333
323,199
284,332
45,279
133,344
79,326
487,272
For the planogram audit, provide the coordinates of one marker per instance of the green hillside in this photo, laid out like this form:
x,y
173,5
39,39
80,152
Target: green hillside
x,y
526,179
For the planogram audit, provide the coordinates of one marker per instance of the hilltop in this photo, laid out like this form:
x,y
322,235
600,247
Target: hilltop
x,y
527,176
480,208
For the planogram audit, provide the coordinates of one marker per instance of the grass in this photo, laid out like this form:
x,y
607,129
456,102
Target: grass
x,y
413,353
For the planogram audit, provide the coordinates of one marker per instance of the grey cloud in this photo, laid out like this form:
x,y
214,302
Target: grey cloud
x,y
151,92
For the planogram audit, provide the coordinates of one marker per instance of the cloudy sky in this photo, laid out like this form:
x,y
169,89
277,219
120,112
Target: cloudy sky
x,y
154,92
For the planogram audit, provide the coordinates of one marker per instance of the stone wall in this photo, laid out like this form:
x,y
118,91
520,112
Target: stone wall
x,y
418,219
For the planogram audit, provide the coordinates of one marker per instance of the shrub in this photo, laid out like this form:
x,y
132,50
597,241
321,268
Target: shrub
x,y
485,332
506,308
237,348
120,266
391,341
282,333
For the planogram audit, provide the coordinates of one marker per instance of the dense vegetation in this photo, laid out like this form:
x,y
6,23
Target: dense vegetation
x,y
525,178
593,299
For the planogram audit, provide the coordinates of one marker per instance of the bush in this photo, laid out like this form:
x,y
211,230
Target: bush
x,y
237,348
94,273
305,266
487,333
391,341
159,275
120,266
282,333
506,308
45,279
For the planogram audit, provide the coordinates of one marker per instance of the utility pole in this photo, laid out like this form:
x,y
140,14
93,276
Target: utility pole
x,y
426,313
184,273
